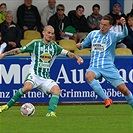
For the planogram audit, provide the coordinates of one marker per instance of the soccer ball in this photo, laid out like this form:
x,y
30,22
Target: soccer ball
x,y
27,109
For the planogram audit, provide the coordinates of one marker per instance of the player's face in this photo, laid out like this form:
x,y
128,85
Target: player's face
x,y
104,26
48,35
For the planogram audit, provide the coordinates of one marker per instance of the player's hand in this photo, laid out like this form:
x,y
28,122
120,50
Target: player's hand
x,y
80,60
79,45
1,56
123,21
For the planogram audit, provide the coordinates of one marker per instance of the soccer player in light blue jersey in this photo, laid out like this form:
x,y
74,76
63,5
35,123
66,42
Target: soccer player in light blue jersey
x,y
43,53
103,44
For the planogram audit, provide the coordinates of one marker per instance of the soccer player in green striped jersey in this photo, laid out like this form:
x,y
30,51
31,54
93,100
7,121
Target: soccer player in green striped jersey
x,y
43,52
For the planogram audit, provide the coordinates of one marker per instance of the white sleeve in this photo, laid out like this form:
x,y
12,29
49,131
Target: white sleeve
x,y
64,52
2,47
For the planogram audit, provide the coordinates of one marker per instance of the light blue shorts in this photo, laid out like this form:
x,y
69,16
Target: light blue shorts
x,y
110,74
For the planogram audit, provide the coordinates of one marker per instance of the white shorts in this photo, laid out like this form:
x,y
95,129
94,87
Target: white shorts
x,y
40,83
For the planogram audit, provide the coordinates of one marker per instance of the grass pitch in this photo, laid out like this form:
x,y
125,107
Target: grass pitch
x,y
70,119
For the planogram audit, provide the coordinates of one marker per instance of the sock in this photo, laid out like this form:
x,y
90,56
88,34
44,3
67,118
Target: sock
x,y
129,99
95,85
15,98
53,102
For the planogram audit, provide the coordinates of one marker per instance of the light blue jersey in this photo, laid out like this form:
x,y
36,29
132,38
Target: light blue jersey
x,y
102,61
103,47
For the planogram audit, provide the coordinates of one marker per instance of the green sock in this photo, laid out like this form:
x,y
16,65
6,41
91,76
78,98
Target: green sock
x,y
15,98
53,103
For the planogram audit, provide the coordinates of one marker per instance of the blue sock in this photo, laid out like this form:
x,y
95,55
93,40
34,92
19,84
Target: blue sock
x,y
95,85
129,99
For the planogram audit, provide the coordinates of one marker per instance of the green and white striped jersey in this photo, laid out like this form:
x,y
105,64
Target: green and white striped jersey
x,y
42,56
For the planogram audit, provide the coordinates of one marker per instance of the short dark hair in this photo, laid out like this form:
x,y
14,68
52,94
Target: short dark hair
x,y
60,5
79,6
96,5
109,18
129,15
3,4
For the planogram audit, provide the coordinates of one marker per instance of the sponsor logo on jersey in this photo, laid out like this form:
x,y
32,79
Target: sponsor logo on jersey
x,y
105,40
45,57
98,47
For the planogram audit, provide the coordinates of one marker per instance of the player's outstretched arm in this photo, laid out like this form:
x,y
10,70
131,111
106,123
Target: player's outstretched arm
x,y
123,21
74,56
124,33
11,52
78,45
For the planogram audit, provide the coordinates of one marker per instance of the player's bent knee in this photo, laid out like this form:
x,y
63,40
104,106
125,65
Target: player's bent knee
x,y
55,90
27,87
25,90
123,89
125,92
89,76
